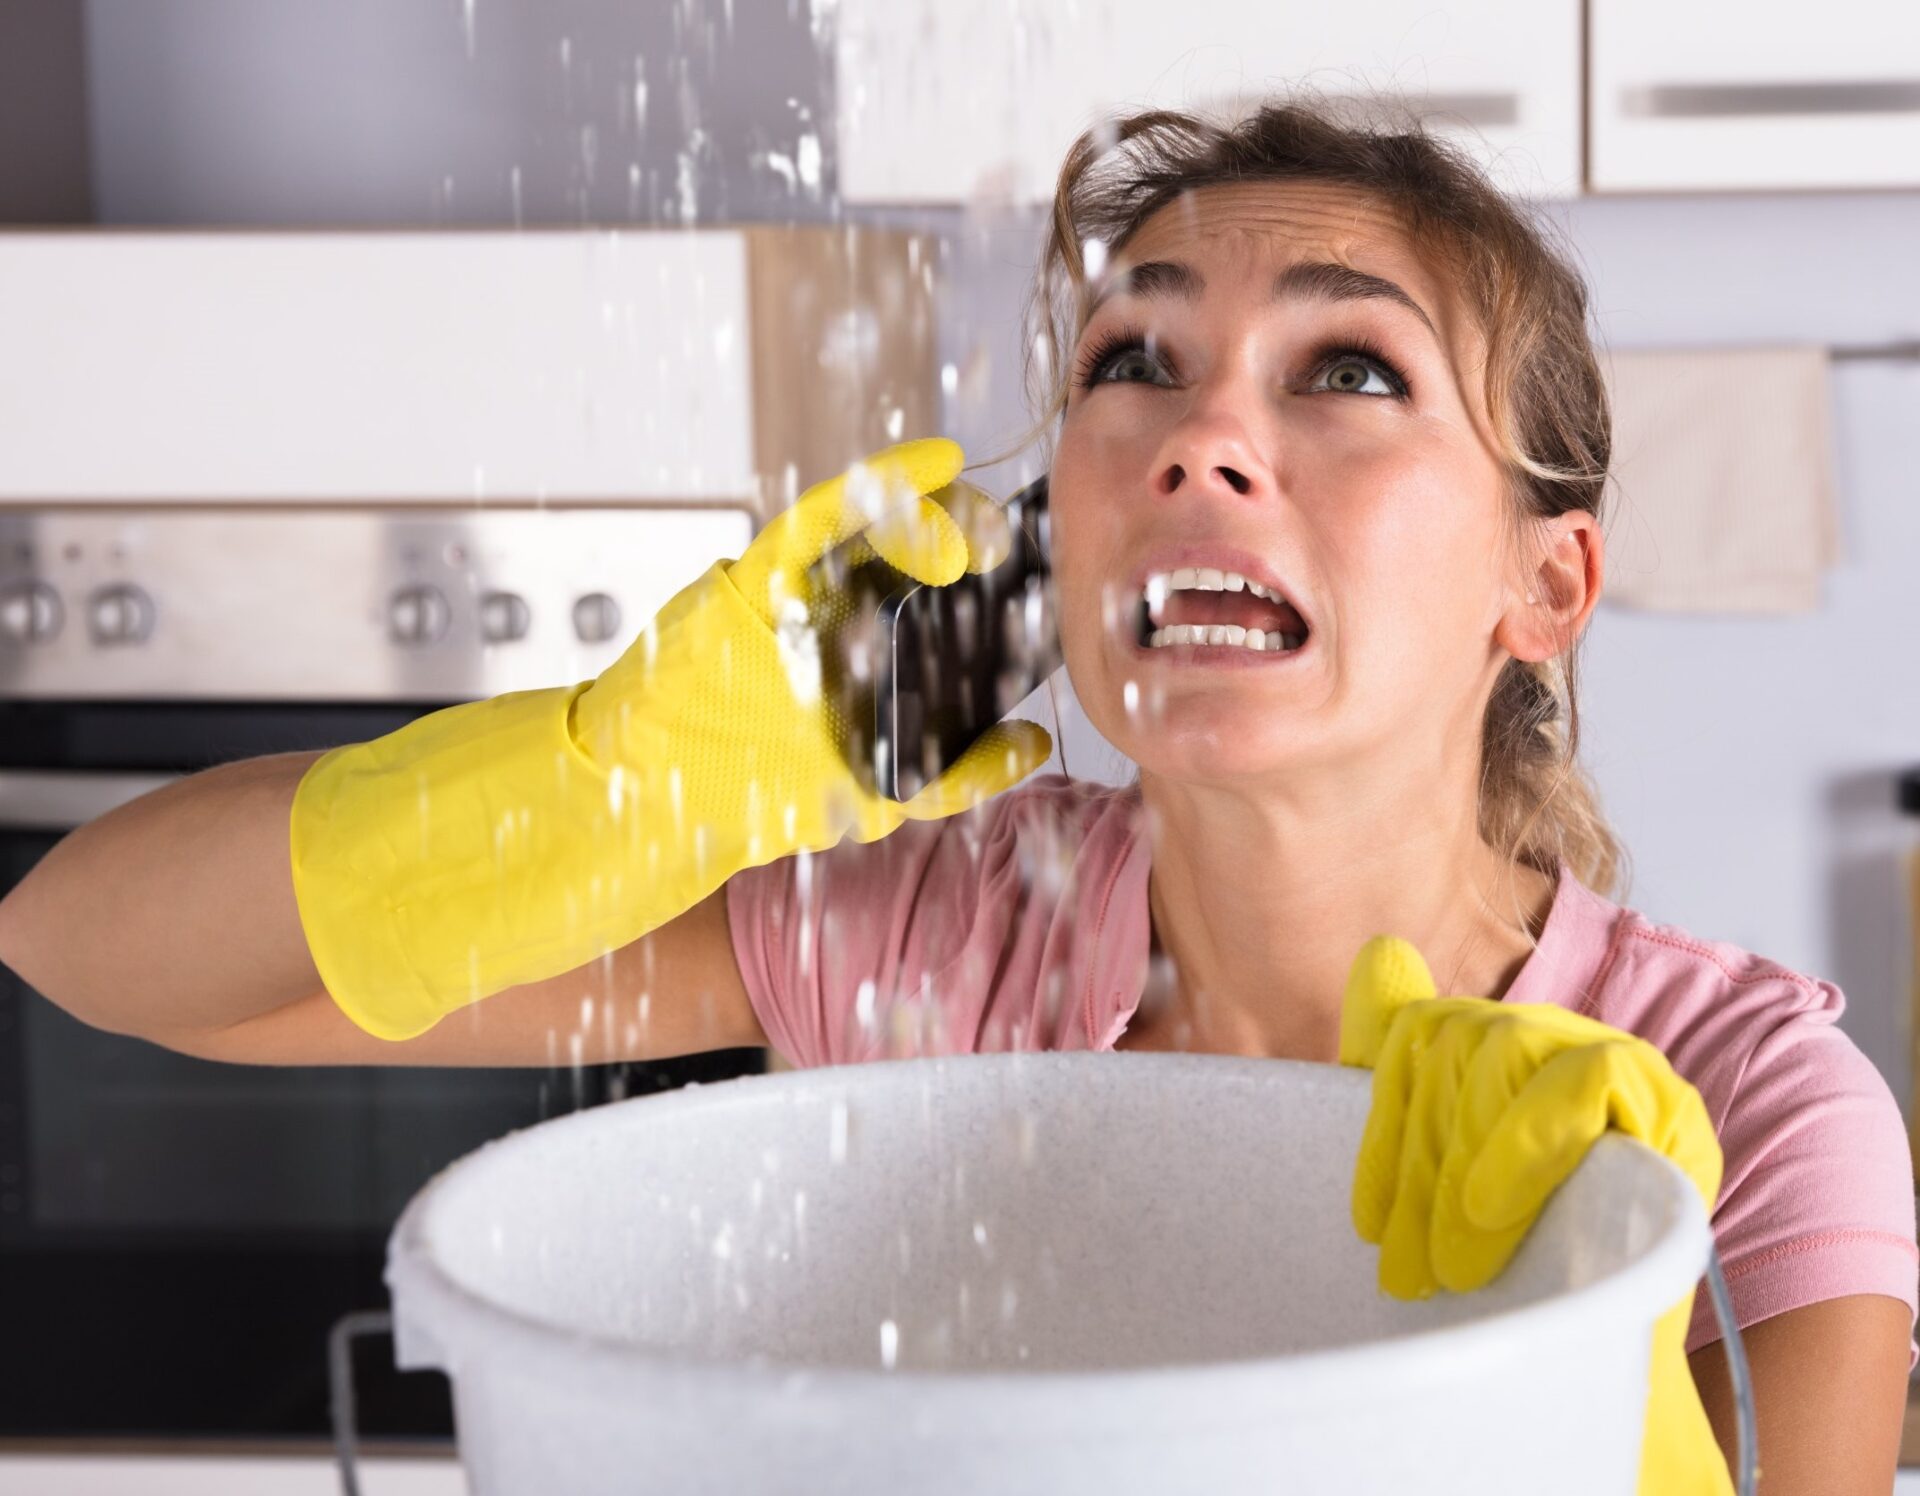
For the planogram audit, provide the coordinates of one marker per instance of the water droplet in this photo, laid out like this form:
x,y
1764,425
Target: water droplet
x,y
840,1129
889,1343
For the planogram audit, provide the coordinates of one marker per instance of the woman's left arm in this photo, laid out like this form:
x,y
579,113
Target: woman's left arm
x,y
1829,1388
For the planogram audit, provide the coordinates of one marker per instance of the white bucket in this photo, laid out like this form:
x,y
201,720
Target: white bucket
x,y
1040,1273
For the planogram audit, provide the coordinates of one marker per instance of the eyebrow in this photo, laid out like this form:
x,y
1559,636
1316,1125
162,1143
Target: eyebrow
x,y
1314,280
1317,279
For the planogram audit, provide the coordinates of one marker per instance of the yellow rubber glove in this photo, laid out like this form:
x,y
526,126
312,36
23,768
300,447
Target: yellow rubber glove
x,y
508,840
1480,1110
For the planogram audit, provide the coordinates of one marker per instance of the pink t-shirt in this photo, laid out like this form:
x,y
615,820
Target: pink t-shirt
x,y
1023,924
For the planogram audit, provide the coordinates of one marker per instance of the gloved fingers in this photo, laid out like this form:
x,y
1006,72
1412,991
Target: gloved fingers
x,y
1396,1073
1000,757
1406,1246
1386,975
982,520
1647,1099
1692,1143
1512,1048
922,540
1376,1172
883,498
1543,1136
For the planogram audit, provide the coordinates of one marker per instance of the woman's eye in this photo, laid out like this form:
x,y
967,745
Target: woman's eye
x,y
1357,376
1130,366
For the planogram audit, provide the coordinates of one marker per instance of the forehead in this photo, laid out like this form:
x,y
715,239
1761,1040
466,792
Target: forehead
x,y
1231,231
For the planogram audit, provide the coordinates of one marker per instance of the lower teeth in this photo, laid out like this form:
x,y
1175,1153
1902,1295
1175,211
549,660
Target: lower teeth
x,y
1233,635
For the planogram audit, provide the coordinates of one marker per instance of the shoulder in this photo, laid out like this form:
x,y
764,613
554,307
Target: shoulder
x,y
1816,1200
1688,993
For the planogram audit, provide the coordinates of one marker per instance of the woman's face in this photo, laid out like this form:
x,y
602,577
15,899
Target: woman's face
x,y
1276,386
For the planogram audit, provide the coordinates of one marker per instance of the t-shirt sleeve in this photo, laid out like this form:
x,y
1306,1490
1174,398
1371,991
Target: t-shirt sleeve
x,y
782,929
837,949
1816,1199
945,937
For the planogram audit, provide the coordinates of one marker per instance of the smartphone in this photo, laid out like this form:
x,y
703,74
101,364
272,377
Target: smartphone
x,y
914,674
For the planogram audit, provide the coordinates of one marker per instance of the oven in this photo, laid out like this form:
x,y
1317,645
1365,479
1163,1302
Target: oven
x,y
177,1236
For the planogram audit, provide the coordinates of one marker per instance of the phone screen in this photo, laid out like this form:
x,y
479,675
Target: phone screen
x,y
915,674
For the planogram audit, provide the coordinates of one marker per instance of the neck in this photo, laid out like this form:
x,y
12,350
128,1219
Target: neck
x,y
1260,902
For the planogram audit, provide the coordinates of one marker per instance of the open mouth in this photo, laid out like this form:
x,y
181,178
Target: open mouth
x,y
1216,610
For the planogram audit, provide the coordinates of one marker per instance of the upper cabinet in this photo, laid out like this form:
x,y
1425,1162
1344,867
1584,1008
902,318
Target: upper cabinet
x,y
949,103
1699,94
717,365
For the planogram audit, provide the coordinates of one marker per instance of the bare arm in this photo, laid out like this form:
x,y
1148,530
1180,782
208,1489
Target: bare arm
x,y
1829,1388
174,910
173,918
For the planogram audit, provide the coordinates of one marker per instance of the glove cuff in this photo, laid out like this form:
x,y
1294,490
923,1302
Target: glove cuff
x,y
420,859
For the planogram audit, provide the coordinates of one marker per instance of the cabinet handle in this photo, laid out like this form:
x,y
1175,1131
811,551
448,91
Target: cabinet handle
x,y
1726,100
1477,109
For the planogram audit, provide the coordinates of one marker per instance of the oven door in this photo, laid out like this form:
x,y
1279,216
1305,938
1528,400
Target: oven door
x,y
177,1235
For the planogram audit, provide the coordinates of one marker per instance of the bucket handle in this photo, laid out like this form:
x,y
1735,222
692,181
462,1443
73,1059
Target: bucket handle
x,y
349,1327
346,1433
1746,1464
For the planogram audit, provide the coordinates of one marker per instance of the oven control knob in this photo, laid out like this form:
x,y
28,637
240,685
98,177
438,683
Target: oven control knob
x,y
596,618
121,614
503,617
30,613
418,615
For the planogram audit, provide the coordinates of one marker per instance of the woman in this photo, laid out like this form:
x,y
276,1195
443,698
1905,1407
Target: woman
x,y
1330,366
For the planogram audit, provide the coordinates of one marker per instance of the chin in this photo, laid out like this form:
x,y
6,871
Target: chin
x,y
1206,741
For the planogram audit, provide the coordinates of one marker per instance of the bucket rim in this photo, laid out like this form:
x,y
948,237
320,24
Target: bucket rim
x,y
440,1312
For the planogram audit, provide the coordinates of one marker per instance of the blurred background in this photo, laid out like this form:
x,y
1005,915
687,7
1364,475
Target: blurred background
x,y
361,356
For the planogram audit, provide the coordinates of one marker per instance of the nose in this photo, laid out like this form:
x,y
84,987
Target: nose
x,y
1209,452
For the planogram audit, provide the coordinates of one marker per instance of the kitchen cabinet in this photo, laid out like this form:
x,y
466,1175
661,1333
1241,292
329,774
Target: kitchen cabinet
x,y
947,103
1691,95
724,365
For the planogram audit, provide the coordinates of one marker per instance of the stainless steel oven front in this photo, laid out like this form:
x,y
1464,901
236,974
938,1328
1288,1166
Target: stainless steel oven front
x,y
177,1236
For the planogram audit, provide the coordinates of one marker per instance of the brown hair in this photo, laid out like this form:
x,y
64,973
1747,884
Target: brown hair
x,y
1544,394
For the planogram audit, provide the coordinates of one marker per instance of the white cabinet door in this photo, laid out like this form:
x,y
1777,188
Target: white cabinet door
x,y
1690,94
941,102
339,367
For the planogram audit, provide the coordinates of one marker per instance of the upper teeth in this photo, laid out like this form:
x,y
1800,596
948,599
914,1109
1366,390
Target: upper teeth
x,y
1203,579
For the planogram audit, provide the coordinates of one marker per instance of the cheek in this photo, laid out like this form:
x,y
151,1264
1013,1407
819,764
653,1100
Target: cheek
x,y
1420,560
1084,541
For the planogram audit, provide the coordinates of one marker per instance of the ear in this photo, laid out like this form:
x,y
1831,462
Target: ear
x,y
1555,598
